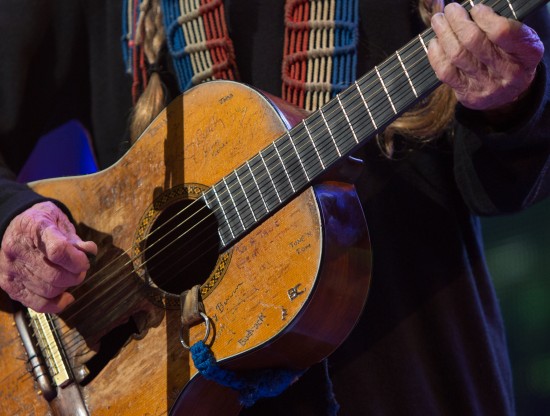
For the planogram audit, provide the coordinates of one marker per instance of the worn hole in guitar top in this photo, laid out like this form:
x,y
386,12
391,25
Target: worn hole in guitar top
x,y
183,246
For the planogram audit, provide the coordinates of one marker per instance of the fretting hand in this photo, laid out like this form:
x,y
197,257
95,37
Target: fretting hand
x,y
41,256
488,60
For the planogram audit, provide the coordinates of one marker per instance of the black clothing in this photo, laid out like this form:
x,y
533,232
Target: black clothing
x,y
431,339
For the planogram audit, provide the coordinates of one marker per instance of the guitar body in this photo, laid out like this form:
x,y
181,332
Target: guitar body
x,y
284,295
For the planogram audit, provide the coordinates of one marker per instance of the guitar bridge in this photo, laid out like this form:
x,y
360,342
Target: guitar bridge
x,y
45,356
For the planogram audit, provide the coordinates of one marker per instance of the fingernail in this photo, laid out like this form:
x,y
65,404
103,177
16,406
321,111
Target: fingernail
x,y
436,18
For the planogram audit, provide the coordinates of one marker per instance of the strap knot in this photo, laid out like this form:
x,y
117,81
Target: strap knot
x,y
251,384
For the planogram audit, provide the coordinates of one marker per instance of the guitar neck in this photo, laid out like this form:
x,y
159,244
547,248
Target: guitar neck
x,y
293,161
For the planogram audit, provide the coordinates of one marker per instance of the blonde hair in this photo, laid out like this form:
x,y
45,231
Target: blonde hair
x,y
150,36
425,122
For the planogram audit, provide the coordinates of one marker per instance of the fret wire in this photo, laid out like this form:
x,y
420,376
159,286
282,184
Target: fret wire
x,y
265,182
376,99
347,118
249,202
284,167
223,211
340,128
245,205
512,9
257,186
330,132
271,178
209,205
406,73
312,159
358,117
299,158
385,89
314,146
234,203
366,105
422,42
234,211
317,143
280,172
397,84
246,196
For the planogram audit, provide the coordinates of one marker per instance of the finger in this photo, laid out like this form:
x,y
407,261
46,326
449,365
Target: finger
x,y
62,252
43,289
458,36
444,70
55,305
88,247
480,50
54,230
511,36
40,303
44,278
68,229
54,284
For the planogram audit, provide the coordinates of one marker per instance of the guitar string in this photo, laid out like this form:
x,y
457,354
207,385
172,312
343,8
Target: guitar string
x,y
230,219
142,264
171,263
327,143
183,211
186,219
29,374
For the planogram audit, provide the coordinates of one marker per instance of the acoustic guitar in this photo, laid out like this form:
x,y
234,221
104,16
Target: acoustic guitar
x,y
232,191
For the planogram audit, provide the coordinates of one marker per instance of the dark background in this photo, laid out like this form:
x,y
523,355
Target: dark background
x,y
518,255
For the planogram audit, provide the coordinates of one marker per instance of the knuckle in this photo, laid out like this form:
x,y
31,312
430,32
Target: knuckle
x,y
56,251
445,74
471,39
42,305
458,56
49,291
53,276
27,222
19,293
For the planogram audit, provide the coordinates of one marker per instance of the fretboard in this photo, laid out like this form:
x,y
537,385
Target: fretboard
x,y
277,173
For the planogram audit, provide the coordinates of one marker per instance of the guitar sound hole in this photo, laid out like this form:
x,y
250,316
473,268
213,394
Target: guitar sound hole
x,y
182,247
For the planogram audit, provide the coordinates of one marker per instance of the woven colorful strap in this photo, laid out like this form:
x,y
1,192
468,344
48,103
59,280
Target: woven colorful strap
x,y
198,40
319,50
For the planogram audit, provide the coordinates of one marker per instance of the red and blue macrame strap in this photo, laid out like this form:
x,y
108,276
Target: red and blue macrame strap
x,y
320,53
198,41
320,50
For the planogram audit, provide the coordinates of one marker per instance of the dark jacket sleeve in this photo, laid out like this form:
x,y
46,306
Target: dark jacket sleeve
x,y
505,168
14,198
43,83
